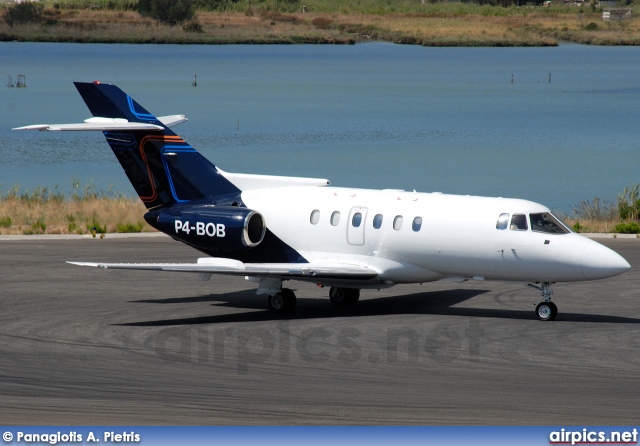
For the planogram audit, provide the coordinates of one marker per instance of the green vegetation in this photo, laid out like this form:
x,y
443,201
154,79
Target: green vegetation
x,y
95,228
170,12
129,228
39,226
597,215
23,13
629,203
628,228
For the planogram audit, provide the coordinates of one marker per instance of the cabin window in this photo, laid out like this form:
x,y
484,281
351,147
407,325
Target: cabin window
x,y
335,218
397,222
503,221
356,220
519,222
315,217
377,221
417,224
547,223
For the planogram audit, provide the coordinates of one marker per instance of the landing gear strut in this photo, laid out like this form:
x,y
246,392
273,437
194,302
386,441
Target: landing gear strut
x,y
344,296
545,309
283,301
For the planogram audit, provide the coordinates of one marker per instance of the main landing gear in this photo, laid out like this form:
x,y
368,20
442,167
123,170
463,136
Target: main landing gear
x,y
545,309
283,301
344,296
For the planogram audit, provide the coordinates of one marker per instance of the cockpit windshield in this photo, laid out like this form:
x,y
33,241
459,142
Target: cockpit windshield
x,y
547,223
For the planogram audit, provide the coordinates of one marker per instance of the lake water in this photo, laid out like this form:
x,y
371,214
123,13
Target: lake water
x,y
372,115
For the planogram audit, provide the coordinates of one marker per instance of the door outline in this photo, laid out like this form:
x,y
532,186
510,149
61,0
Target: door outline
x,y
355,236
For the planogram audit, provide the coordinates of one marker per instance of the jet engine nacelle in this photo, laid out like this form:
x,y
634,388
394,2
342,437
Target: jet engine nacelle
x,y
219,228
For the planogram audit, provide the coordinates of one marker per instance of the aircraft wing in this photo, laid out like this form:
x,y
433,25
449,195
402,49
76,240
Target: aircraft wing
x,y
301,271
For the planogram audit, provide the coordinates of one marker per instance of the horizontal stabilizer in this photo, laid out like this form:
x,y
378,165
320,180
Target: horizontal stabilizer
x,y
107,125
172,120
232,267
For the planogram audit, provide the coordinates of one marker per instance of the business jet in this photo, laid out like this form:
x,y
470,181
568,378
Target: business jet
x,y
273,229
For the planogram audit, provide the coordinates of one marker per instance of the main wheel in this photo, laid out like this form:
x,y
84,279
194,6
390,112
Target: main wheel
x,y
344,296
282,302
546,311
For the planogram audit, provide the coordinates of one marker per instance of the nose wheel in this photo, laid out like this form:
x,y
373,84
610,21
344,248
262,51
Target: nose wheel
x,y
545,309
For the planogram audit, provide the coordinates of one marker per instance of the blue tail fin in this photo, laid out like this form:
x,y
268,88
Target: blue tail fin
x,y
162,167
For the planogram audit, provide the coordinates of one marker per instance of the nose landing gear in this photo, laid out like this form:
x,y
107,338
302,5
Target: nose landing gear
x,y
545,309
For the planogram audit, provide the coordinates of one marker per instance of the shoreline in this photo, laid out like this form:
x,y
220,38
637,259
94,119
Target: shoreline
x,y
441,26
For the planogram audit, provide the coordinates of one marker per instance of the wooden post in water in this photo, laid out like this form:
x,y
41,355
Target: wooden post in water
x,y
195,81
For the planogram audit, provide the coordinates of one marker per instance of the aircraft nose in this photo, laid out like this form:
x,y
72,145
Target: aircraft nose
x,y
599,262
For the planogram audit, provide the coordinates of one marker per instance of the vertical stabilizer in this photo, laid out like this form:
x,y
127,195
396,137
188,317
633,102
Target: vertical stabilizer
x,y
161,166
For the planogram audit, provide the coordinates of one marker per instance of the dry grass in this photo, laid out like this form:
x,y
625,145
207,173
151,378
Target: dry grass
x,y
63,216
592,225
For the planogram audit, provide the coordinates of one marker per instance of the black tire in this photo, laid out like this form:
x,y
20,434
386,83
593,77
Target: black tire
x,y
546,311
344,296
282,302
290,299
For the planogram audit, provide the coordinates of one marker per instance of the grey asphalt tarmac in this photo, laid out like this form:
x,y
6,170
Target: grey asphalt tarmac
x,y
88,346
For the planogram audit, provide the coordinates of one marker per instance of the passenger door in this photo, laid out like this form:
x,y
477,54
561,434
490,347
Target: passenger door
x,y
355,225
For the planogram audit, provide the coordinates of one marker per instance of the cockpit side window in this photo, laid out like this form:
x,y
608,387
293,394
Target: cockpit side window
x,y
503,221
547,223
519,222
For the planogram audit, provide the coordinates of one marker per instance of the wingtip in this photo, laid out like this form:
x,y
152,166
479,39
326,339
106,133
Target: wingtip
x,y
33,127
91,264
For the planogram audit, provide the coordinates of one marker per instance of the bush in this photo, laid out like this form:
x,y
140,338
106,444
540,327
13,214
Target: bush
x,y
577,227
322,22
6,222
628,228
39,226
23,13
95,228
629,203
192,27
128,228
170,12
592,26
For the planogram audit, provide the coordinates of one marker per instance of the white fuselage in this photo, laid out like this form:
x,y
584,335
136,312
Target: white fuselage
x,y
457,237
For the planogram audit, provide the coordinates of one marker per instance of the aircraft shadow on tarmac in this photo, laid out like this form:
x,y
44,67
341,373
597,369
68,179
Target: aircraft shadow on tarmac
x,y
426,303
